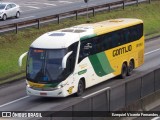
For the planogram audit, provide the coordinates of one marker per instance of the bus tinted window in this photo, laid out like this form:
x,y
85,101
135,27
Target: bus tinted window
x,y
140,30
122,41
127,35
134,33
116,39
86,49
110,40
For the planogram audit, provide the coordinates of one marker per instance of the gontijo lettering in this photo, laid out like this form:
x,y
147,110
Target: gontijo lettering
x,y
122,50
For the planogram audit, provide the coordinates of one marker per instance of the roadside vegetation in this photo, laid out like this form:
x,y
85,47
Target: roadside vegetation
x,y
13,45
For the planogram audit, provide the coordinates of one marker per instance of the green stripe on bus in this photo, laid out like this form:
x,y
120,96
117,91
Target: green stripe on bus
x,y
87,37
97,65
51,85
101,64
82,72
105,63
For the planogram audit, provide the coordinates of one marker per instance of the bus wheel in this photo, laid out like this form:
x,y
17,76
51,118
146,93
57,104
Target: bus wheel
x,y
81,88
130,68
123,71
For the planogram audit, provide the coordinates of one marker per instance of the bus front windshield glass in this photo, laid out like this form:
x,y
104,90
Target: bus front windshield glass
x,y
45,65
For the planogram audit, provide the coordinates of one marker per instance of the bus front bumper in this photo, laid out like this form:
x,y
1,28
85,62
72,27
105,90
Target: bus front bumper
x,y
54,93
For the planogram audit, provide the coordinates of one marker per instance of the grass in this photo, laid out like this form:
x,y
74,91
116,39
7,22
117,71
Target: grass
x,y
13,45
10,79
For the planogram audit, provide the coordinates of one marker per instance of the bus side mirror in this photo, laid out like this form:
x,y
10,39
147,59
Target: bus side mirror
x,y
21,58
64,60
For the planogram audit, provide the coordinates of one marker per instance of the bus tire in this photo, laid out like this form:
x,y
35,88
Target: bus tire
x,y
81,88
130,68
123,71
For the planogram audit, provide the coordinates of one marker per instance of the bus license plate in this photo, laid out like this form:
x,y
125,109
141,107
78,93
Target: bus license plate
x,y
42,93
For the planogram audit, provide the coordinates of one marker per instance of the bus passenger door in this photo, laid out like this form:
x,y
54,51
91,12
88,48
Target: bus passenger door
x,y
85,66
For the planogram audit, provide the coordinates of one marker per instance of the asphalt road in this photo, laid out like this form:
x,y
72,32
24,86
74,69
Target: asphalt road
x,y
14,98
40,8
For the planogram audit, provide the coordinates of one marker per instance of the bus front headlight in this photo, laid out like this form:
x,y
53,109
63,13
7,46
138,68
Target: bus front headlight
x,y
61,85
27,84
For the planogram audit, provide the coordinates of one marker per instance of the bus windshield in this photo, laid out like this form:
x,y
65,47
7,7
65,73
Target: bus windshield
x,y
45,66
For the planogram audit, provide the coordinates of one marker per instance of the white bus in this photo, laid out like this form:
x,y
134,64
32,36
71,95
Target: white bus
x,y
68,61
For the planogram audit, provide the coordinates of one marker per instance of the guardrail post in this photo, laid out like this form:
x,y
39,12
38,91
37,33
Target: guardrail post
x,y
51,117
16,28
141,93
92,108
93,12
154,80
76,15
149,1
109,98
125,94
109,7
137,2
58,19
38,24
123,5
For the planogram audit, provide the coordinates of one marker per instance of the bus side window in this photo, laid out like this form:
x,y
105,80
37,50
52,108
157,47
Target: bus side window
x,y
72,57
94,42
127,35
97,45
116,39
133,32
86,49
140,30
70,64
121,40
101,45
136,32
107,41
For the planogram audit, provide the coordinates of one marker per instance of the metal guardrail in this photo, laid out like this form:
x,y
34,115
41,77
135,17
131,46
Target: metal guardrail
x,y
117,98
38,21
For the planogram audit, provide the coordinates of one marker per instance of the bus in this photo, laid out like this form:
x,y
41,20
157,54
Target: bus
x,y
69,60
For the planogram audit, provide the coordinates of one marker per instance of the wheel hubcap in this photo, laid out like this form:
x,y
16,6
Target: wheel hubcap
x,y
80,88
130,67
124,70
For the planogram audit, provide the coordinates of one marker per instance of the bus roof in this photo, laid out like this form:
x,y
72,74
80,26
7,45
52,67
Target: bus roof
x,y
65,37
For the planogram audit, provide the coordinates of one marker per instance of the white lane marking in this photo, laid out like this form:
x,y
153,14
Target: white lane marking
x,y
96,92
156,118
33,3
26,10
24,18
152,51
30,3
65,2
50,4
13,101
33,7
